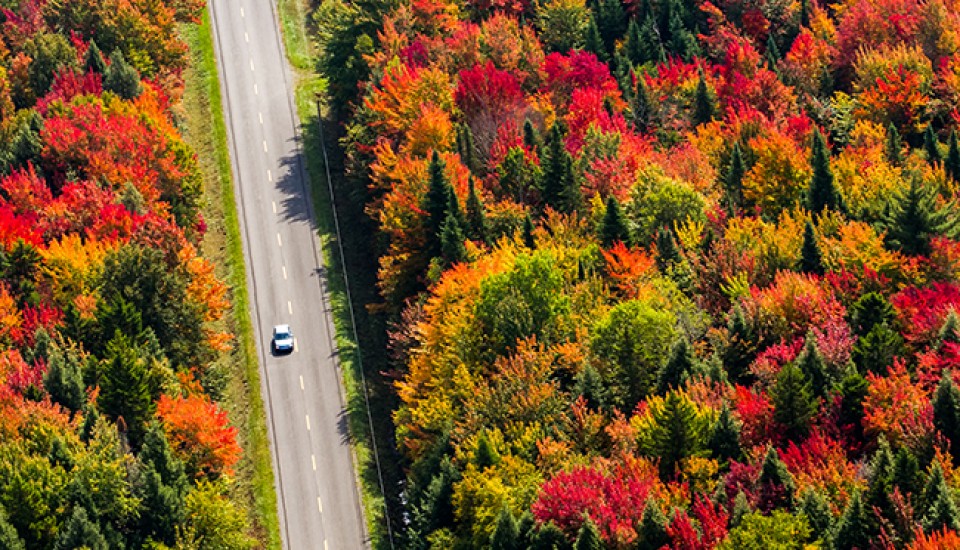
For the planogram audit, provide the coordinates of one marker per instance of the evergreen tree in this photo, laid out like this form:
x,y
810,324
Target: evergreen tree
x,y
804,13
526,527
478,228
853,530
452,249
531,137
946,411
667,252
9,539
704,102
558,184
634,45
894,147
614,226
811,260
914,219
650,42
813,366
932,146
823,193
93,61
880,486
434,510
876,351
741,507
952,164
775,486
528,239
853,390
950,330
80,532
733,182
773,53
817,511
742,346
588,538
593,42
653,528
942,515
611,22
126,388
506,535
678,366
934,488
642,107
725,441
465,147
869,310
486,455
677,435
64,381
121,78
591,386
793,402
906,473
435,203
549,537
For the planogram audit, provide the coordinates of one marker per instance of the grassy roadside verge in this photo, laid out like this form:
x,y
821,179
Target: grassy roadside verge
x,y
361,266
205,130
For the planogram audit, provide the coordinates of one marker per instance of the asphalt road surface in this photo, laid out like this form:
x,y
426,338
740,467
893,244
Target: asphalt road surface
x,y
318,500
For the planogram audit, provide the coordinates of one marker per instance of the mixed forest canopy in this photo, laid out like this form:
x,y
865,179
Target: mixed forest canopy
x,y
110,434
678,273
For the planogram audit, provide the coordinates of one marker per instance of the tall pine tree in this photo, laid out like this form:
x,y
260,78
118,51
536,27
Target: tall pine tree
x,y
793,402
952,164
558,185
931,145
679,365
914,219
822,193
614,227
588,538
893,148
946,410
811,259
435,203
478,228
704,102
506,534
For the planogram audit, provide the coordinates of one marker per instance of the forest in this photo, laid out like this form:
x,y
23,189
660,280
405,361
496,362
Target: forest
x,y
663,273
111,435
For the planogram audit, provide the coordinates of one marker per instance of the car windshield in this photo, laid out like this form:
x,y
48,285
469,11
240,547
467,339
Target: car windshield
x,y
282,335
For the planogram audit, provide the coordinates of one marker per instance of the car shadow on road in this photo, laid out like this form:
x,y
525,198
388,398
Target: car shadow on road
x,y
292,184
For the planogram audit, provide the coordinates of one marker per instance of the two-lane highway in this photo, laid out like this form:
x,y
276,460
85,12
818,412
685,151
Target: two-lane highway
x,y
319,505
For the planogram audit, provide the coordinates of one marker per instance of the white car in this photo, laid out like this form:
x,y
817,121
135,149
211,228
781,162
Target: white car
x,y
282,339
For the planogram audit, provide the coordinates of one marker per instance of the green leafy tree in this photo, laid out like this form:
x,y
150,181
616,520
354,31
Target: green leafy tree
x,y
215,519
780,531
678,366
643,107
653,528
942,515
592,387
611,22
853,390
465,147
122,78
634,46
914,219
934,488
162,487
869,310
742,346
549,537
614,227
906,473
876,351
486,455
823,193
531,137
127,390
668,254
741,508
877,497
931,145
588,538
950,330
793,402
80,532
811,259
629,342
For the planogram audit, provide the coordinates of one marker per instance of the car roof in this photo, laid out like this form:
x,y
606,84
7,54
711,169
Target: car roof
x,y
281,328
